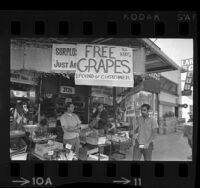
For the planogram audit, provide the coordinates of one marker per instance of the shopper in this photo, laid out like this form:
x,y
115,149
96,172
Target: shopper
x,y
20,114
70,123
101,117
146,130
43,128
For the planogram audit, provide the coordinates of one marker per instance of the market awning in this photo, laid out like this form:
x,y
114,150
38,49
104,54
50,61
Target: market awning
x,y
24,50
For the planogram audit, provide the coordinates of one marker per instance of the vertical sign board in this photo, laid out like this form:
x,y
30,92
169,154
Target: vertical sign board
x,y
188,65
189,79
64,57
101,65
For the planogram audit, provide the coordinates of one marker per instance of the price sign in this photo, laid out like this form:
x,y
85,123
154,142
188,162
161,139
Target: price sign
x,y
67,90
50,152
68,146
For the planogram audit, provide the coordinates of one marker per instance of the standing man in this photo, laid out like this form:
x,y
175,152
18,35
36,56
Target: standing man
x,y
70,123
146,130
101,116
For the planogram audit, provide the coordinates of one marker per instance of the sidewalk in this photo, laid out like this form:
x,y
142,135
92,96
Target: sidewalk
x,y
170,147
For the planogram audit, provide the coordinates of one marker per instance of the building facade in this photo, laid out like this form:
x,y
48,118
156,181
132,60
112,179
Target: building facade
x,y
170,95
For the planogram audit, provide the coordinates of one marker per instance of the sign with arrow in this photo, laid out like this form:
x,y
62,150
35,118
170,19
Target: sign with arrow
x,y
123,181
23,181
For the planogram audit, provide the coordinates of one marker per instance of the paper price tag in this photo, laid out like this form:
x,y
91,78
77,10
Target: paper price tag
x,y
141,146
50,152
68,146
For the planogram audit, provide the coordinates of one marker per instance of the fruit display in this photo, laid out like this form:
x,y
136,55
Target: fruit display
x,y
60,155
41,149
122,136
39,138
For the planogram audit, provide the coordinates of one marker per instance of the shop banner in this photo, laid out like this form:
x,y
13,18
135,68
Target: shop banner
x,y
64,57
101,65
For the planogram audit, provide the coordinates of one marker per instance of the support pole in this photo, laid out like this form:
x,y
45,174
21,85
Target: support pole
x,y
40,93
158,108
114,103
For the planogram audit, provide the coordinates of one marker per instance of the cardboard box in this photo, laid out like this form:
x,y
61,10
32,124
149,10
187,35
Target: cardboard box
x,y
95,157
19,157
95,140
41,149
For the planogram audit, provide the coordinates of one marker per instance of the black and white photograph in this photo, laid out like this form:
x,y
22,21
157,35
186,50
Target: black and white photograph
x,y
101,99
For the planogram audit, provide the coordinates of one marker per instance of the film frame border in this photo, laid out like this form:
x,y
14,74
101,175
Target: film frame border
x,y
92,24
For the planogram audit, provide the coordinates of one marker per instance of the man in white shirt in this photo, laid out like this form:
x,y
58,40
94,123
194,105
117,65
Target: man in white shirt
x,y
70,123
146,130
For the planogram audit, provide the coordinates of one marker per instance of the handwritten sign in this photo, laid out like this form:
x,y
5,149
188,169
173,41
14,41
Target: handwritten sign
x,y
64,57
50,152
102,65
68,146
67,90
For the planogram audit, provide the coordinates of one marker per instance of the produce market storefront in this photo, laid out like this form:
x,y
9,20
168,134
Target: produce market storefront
x,y
85,88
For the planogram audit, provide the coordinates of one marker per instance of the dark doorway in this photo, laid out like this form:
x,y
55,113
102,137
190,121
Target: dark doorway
x,y
176,111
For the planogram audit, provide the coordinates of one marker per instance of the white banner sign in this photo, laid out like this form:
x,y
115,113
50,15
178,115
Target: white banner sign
x,y
102,65
64,57
67,90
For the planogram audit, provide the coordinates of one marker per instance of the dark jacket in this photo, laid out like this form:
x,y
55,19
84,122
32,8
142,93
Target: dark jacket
x,y
102,123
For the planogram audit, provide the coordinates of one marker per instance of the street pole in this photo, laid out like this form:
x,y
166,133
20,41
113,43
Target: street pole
x,y
40,92
114,103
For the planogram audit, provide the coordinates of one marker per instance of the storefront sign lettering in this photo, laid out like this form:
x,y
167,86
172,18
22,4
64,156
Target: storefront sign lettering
x,y
185,63
23,78
67,90
188,64
64,57
153,75
104,65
